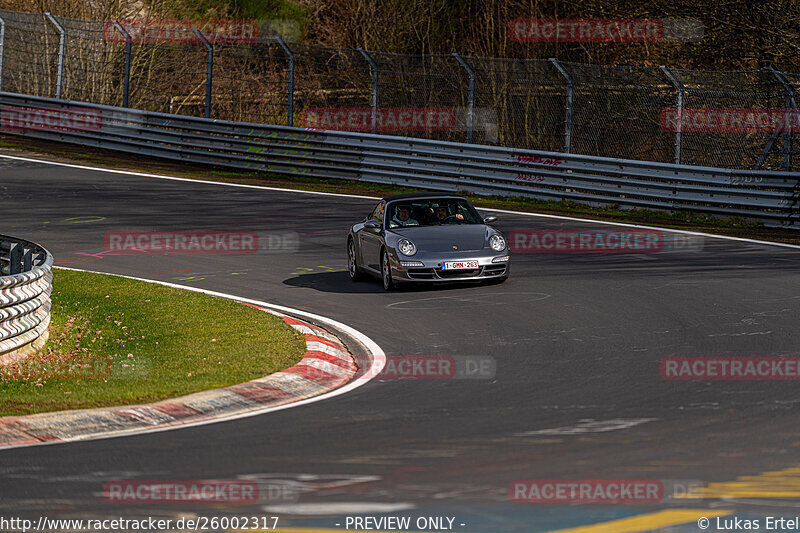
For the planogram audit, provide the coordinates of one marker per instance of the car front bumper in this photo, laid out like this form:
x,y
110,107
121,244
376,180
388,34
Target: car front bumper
x,y
429,269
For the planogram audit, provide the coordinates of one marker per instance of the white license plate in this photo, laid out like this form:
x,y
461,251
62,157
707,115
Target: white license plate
x,y
459,265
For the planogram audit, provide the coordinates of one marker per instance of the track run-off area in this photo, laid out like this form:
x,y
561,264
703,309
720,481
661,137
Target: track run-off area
x,y
577,390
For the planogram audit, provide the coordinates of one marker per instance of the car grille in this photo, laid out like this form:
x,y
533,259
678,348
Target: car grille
x,y
444,274
488,271
494,270
421,273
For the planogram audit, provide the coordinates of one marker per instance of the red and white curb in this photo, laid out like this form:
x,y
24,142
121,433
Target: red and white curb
x,y
326,365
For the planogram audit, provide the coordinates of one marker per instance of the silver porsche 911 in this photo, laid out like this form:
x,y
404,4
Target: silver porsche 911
x,y
426,237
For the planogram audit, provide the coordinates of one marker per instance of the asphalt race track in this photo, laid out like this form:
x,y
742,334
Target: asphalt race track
x,y
576,338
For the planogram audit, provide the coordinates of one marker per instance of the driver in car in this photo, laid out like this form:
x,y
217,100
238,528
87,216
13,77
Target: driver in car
x,y
442,214
402,216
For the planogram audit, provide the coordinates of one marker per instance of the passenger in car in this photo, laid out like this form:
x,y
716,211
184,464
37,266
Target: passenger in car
x,y
402,217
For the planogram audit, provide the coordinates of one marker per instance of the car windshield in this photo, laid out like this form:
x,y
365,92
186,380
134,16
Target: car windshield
x,y
431,212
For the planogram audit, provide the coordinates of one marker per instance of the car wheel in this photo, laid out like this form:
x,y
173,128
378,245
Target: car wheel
x,y
386,272
352,262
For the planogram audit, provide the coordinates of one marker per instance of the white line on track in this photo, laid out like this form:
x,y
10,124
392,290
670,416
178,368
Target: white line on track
x,y
378,362
299,191
627,225
176,178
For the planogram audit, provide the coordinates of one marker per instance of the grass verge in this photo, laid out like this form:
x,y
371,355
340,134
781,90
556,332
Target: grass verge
x,y
116,341
735,227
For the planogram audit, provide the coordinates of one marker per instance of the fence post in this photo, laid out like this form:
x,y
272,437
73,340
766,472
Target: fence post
x,y
289,80
126,77
790,102
470,96
209,69
676,83
61,43
767,149
2,48
569,103
374,72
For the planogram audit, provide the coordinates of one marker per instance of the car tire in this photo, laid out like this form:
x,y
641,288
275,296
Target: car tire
x,y
352,262
386,272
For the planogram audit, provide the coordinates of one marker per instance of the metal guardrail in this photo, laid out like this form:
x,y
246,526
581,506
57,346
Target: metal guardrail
x,y
25,285
771,197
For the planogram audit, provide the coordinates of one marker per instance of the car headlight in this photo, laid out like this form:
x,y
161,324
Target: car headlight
x,y
497,243
406,247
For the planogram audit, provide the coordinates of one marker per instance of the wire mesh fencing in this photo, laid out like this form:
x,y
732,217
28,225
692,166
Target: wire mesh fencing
x,y
520,103
250,82
617,110
246,72
733,138
30,53
92,67
332,87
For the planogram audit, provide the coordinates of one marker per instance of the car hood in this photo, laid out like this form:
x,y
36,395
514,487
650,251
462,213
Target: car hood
x,y
467,237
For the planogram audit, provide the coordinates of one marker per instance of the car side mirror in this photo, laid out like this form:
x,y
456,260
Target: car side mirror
x,y
372,224
489,219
